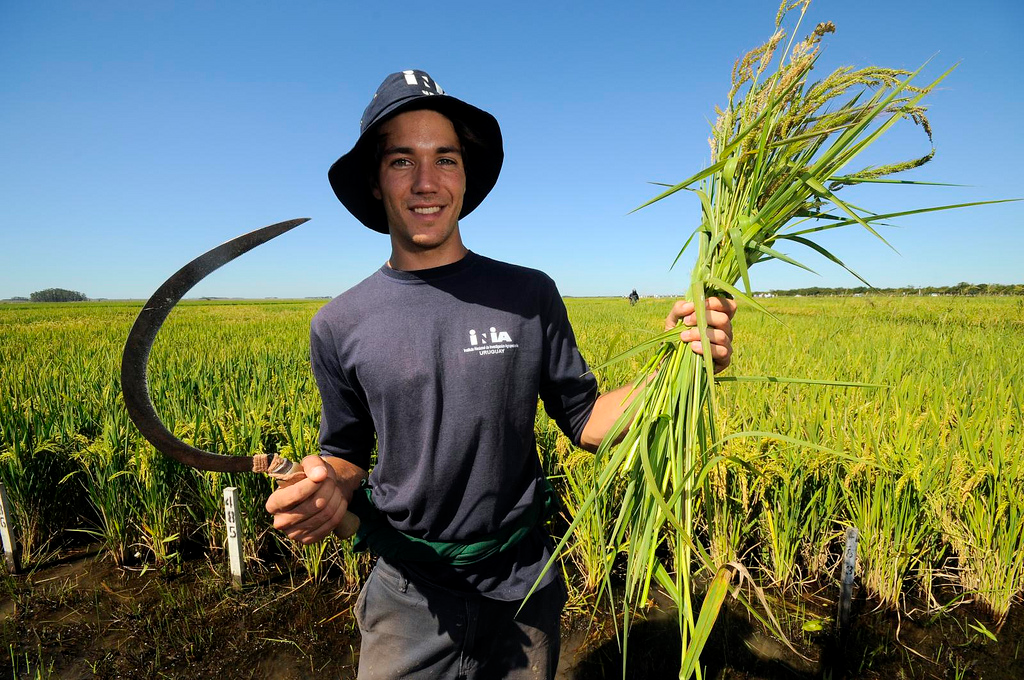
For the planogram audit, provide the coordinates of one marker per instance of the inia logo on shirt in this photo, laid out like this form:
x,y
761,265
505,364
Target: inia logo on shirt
x,y
494,337
490,341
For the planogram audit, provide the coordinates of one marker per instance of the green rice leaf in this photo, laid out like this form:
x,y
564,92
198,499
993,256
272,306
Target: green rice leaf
x,y
741,257
709,611
782,256
641,347
820,189
846,179
665,581
814,246
707,172
797,381
685,246
902,213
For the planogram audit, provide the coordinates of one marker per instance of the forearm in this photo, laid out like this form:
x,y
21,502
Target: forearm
x,y
607,409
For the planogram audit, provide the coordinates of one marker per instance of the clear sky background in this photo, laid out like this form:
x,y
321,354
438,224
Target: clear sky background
x,y
136,136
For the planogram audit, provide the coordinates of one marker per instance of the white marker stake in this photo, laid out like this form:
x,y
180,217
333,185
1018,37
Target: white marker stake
x,y
234,535
849,566
5,531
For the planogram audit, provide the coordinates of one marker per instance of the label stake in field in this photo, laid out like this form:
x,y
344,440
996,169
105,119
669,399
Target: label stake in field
x,y
134,384
6,535
234,536
849,567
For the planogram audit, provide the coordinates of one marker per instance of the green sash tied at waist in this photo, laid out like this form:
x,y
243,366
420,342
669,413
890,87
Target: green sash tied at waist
x,y
378,536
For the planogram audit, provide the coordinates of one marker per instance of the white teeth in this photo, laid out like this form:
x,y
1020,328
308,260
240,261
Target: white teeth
x,y
426,211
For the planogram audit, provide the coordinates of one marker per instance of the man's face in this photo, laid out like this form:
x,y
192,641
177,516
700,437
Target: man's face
x,y
421,179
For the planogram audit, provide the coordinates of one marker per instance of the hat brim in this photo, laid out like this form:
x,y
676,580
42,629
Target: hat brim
x,y
352,175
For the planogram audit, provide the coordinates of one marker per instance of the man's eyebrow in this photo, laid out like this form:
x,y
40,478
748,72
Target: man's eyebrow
x,y
393,150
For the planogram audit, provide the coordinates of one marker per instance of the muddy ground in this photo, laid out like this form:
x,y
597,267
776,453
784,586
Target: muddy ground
x,y
80,617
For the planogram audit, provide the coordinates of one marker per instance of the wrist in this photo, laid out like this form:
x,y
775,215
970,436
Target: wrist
x,y
348,476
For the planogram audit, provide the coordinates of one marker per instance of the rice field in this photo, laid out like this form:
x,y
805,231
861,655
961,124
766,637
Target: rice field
x,y
929,467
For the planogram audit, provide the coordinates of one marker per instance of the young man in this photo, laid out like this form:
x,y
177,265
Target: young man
x,y
438,359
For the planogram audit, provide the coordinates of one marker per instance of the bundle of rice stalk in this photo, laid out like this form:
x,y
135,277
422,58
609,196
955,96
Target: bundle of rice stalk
x,y
781,149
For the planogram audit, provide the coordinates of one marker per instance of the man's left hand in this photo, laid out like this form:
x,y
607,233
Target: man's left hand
x,y
719,315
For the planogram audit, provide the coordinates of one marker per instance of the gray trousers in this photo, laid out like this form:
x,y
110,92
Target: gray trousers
x,y
415,631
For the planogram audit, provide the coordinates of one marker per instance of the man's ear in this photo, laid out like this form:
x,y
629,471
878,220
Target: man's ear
x,y
375,190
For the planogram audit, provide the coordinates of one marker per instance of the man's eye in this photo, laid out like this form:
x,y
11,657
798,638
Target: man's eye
x,y
400,162
447,161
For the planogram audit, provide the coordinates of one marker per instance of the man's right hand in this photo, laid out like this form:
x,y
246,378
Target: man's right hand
x,y
720,312
308,509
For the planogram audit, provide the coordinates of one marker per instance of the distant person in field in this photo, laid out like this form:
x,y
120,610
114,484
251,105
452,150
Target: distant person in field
x,y
633,298
437,359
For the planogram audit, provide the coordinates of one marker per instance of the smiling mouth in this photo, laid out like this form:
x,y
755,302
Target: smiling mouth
x,y
427,211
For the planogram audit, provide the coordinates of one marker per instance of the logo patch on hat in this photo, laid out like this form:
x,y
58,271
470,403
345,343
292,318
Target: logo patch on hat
x,y
410,79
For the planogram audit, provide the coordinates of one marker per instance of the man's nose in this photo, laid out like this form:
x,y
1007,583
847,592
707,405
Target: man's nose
x,y
426,179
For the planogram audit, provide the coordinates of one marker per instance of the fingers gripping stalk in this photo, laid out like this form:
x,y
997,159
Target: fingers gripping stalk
x,y
134,361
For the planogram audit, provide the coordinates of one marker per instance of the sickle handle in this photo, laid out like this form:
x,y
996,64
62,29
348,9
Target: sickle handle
x,y
284,470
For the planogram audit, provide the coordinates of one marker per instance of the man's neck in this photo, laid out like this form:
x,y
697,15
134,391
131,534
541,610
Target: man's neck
x,y
404,259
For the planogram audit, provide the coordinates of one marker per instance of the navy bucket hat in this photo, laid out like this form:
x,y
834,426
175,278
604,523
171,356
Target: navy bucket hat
x,y
353,175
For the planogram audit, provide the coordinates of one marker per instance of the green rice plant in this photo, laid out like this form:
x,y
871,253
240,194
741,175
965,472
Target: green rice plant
x,y
314,558
42,496
589,554
204,491
206,510
891,518
569,471
36,451
729,510
25,666
329,558
781,149
353,567
106,472
53,375
821,532
160,486
789,520
112,490
135,494
257,524
982,515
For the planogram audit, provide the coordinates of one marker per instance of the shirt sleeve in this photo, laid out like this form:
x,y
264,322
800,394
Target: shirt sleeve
x,y
568,388
346,428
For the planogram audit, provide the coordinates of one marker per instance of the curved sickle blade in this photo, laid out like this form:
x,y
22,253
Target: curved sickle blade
x,y
140,340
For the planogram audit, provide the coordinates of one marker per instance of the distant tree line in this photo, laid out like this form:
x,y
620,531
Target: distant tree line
x,y
962,288
57,295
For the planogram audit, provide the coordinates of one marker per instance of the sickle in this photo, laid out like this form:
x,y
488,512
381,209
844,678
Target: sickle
x,y
134,385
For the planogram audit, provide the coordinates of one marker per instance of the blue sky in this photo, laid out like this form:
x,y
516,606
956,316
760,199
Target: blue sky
x,y
138,135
